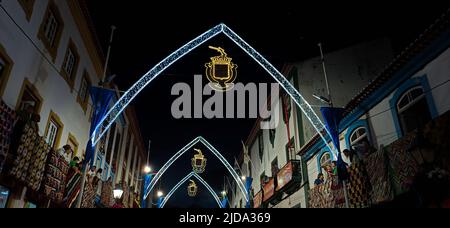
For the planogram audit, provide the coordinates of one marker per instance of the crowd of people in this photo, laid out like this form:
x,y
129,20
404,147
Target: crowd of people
x,y
332,168
69,180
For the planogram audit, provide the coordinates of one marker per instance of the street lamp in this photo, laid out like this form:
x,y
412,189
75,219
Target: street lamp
x,y
159,194
224,193
147,169
243,178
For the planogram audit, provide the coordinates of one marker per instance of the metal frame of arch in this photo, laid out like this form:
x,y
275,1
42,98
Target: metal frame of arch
x,y
200,139
177,186
129,96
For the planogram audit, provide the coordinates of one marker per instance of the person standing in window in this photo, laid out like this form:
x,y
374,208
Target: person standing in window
x,y
66,153
334,168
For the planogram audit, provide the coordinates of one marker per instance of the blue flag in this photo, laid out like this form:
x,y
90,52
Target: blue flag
x,y
248,188
100,99
147,179
332,118
224,202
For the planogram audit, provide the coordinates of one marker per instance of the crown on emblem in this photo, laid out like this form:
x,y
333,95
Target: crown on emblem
x,y
221,60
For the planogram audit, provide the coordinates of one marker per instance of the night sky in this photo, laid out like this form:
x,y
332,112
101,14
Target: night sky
x,y
282,32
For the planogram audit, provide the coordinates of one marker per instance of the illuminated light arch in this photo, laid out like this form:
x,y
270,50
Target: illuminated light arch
x,y
192,174
129,96
186,148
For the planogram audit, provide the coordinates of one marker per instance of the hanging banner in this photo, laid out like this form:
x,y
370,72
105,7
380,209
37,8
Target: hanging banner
x,y
100,99
248,188
269,189
285,175
332,118
224,202
147,179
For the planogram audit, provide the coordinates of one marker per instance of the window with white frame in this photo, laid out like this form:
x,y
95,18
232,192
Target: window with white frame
x,y
70,63
83,94
413,111
358,136
52,133
51,27
325,161
84,89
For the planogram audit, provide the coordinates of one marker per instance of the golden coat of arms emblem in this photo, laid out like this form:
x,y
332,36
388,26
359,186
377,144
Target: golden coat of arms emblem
x,y
192,189
198,162
221,71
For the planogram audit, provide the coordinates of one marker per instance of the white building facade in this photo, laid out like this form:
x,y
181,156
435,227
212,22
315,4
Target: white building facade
x,y
49,57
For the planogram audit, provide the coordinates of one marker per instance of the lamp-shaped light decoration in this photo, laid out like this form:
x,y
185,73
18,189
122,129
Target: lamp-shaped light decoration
x,y
199,162
192,189
118,192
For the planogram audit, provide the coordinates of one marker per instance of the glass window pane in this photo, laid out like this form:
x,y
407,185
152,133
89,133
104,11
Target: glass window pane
x,y
403,102
52,132
325,160
353,137
361,132
415,117
83,91
416,93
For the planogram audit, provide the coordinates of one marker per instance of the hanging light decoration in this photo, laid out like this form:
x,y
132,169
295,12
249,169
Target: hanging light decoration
x,y
199,162
192,189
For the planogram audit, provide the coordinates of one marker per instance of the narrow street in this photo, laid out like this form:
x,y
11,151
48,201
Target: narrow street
x,y
108,104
